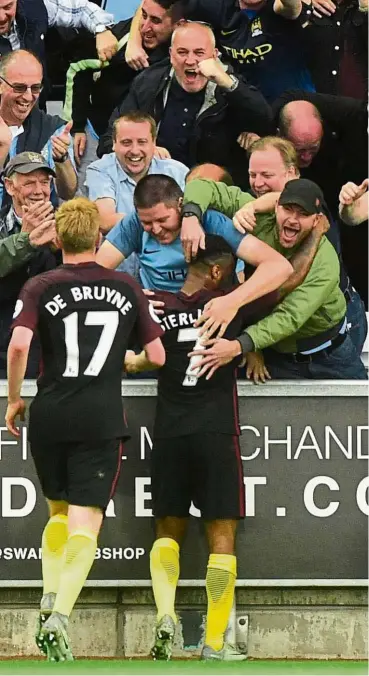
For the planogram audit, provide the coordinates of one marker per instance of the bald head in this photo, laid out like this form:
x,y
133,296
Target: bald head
x,y
192,29
20,59
191,43
213,172
300,122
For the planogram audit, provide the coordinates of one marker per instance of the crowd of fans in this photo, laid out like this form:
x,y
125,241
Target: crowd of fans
x,y
226,101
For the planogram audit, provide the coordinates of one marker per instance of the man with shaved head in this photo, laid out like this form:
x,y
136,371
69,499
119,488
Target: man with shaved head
x,y
197,102
329,134
302,124
213,172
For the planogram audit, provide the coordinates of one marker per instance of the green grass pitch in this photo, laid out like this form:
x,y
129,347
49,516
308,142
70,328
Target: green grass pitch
x,y
183,667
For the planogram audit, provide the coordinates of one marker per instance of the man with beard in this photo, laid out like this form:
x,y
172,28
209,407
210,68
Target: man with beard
x,y
307,332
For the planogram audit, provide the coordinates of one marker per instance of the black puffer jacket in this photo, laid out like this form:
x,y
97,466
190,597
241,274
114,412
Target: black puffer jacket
x,y
223,117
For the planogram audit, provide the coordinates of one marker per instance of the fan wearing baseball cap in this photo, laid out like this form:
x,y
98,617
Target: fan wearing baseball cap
x,y
27,225
299,204
305,336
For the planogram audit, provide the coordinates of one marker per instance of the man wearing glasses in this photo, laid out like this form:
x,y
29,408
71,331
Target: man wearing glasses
x,y
23,126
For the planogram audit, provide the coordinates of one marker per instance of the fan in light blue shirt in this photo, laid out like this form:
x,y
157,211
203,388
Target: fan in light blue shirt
x,y
106,178
111,181
163,266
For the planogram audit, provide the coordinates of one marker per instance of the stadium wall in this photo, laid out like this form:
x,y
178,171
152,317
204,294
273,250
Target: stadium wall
x,y
302,550
271,623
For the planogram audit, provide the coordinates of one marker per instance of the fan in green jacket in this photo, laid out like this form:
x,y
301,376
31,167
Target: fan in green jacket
x,y
311,317
312,308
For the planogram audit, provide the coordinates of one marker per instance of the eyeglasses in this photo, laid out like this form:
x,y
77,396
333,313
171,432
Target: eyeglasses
x,y
19,88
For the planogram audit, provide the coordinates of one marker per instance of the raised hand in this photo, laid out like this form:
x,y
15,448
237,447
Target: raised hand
x,y
214,71
246,139
136,57
79,146
106,45
36,214
60,144
44,234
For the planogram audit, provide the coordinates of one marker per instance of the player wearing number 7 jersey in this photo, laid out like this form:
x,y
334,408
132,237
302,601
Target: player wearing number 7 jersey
x,y
85,316
196,454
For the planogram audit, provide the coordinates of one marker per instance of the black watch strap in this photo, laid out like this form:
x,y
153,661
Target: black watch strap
x,y
191,209
62,159
247,343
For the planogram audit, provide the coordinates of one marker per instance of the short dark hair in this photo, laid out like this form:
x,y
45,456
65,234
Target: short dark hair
x,y
217,252
175,8
154,189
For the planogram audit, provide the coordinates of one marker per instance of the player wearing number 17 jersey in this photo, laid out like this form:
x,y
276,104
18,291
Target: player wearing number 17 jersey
x,y
85,316
196,453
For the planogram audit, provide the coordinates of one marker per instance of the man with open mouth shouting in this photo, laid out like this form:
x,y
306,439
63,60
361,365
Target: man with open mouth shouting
x,y
200,107
306,335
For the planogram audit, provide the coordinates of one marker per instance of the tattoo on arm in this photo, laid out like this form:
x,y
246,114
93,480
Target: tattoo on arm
x,y
301,262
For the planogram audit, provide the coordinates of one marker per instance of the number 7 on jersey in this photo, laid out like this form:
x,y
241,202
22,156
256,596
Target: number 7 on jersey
x,y
193,368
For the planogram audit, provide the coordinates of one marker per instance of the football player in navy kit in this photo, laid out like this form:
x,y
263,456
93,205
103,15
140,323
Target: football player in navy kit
x,y
196,453
85,316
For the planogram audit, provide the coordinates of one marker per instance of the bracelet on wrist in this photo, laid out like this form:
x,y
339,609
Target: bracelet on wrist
x,y
62,159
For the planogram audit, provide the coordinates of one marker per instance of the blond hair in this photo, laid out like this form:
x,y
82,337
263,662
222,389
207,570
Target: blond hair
x,y
77,225
282,145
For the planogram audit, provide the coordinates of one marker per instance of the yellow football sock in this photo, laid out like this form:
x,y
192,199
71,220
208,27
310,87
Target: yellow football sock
x,y
54,539
80,553
220,584
164,568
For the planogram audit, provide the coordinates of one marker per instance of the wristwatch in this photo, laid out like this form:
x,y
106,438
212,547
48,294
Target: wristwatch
x,y
234,85
62,159
191,209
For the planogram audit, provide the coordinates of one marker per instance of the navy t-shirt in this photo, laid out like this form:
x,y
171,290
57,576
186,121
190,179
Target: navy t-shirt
x,y
262,45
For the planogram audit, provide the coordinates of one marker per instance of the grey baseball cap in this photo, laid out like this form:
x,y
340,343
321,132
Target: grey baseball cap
x,y
25,163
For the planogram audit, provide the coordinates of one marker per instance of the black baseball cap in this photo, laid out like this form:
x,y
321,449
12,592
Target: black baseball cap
x,y
306,194
25,163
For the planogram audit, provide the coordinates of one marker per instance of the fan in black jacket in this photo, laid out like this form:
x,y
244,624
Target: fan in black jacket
x,y
198,121
94,98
